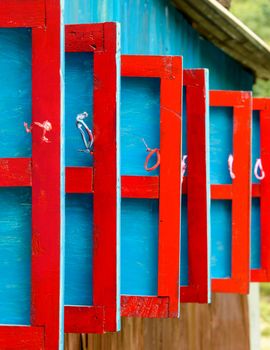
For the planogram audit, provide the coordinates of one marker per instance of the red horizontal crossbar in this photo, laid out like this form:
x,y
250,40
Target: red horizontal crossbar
x,y
18,338
150,307
84,38
22,13
229,98
150,66
256,190
78,317
80,180
261,104
16,172
221,192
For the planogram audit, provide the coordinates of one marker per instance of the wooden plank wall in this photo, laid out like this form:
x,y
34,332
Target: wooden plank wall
x,y
222,325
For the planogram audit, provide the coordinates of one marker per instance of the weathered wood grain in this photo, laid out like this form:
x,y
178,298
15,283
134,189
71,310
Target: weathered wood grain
x,y
222,325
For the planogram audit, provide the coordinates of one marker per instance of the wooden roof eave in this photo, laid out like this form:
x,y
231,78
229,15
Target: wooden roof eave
x,y
227,32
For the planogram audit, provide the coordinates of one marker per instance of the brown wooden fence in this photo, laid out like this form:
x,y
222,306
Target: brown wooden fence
x,y
223,325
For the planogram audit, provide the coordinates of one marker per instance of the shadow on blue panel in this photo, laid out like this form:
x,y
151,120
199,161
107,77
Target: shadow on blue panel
x,y
184,223
184,124
255,234
15,255
78,256
184,243
139,247
256,138
255,208
221,240
221,140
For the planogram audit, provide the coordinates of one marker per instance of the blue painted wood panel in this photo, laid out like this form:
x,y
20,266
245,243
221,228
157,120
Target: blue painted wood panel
x,y
221,238
221,138
139,242
78,257
15,255
184,218
184,271
15,91
255,208
140,118
15,213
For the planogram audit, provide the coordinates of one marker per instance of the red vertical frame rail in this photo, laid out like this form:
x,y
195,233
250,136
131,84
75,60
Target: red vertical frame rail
x,y
43,173
196,186
104,315
262,190
169,70
239,192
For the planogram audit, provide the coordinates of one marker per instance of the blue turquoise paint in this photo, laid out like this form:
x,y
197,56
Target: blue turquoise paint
x,y
15,92
15,255
184,243
255,207
221,243
79,98
158,28
79,249
140,119
255,256
256,139
221,146
139,247
15,214
184,218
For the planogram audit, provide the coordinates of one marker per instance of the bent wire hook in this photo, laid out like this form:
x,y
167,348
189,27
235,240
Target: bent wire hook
x,y
46,126
81,125
151,153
